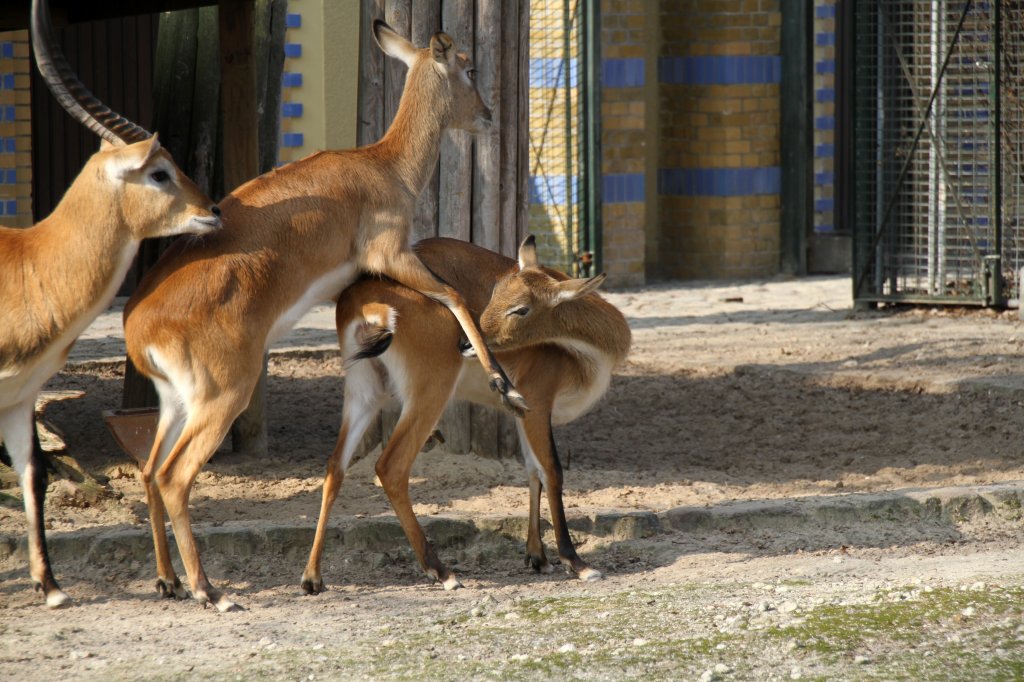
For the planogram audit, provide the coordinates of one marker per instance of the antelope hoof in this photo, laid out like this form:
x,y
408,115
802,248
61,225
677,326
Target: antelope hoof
x,y
219,600
539,564
311,586
514,402
56,599
590,575
169,590
451,583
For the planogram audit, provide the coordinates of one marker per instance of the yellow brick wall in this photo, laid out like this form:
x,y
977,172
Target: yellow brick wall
x,y
15,131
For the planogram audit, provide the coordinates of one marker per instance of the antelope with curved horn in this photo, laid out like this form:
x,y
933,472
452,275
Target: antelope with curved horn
x,y
202,318
58,275
557,339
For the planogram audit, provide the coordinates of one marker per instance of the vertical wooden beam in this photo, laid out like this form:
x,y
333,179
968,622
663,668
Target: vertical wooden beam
x,y
241,163
455,204
456,199
486,220
426,21
174,87
371,75
796,145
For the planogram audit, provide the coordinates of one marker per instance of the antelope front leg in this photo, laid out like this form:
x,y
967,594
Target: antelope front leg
x,y
406,268
535,556
542,459
17,427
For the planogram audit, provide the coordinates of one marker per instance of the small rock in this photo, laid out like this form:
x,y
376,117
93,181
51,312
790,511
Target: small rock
x,y
639,641
476,612
796,673
707,676
567,648
861,660
968,612
722,669
788,606
79,655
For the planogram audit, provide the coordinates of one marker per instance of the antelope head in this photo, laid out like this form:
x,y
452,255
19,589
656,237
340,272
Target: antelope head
x,y
132,177
454,83
530,305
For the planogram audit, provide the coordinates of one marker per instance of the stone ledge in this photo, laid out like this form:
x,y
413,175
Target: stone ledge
x,y
858,517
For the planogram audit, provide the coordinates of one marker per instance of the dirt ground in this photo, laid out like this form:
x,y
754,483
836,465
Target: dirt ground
x,y
769,390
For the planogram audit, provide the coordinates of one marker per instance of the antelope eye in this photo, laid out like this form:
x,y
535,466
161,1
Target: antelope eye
x,y
159,176
471,74
520,311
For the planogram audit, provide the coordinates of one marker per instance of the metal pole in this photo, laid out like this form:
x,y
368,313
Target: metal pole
x,y
996,209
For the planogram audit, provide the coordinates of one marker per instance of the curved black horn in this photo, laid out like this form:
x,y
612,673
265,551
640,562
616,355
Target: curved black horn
x,y
70,92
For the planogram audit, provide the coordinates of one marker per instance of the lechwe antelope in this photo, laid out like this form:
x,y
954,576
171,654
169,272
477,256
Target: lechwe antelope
x,y
58,275
202,318
558,341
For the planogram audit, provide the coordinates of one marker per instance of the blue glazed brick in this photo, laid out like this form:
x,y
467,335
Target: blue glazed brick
x,y
9,145
825,39
825,95
8,81
825,123
720,70
824,205
11,176
293,50
825,227
718,182
291,139
293,20
292,109
825,67
824,151
824,178
7,49
292,80
623,73
825,12
551,72
10,114
11,207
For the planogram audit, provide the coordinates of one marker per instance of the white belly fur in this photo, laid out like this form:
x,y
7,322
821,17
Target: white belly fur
x,y
27,380
324,289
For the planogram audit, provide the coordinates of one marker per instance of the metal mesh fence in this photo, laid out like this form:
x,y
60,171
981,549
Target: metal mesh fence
x,y
938,198
555,105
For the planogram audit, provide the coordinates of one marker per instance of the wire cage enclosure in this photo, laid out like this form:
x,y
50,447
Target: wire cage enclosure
x,y
562,89
938,151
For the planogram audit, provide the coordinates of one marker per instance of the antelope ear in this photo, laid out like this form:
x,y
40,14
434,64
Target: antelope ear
x,y
442,48
393,44
572,289
132,157
528,253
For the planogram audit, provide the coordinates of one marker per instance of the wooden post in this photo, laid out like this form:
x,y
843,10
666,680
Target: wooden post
x,y
241,163
174,91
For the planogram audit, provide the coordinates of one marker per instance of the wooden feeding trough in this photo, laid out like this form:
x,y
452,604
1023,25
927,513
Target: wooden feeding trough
x,y
134,430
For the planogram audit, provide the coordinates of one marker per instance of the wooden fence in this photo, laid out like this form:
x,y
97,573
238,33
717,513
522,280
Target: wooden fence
x,y
478,192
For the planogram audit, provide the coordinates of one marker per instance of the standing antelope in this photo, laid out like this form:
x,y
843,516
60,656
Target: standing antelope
x,y
557,340
58,275
201,320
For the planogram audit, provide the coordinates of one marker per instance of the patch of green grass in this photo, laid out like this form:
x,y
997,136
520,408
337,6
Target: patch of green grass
x,y
942,634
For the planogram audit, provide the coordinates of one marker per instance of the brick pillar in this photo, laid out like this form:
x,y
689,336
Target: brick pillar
x,y
718,159
626,91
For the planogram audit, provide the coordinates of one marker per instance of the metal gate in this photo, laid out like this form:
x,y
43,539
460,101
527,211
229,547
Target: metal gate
x,y
939,151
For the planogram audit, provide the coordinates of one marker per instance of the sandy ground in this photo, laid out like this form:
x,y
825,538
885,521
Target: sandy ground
x,y
746,391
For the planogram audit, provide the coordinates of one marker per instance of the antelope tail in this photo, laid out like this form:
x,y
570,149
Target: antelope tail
x,y
373,333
